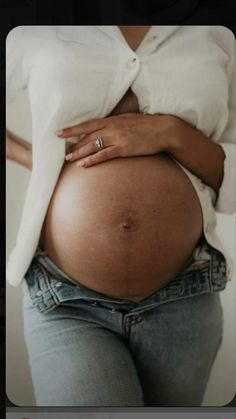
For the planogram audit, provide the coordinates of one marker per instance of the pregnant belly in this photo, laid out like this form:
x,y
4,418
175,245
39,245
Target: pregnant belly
x,y
124,227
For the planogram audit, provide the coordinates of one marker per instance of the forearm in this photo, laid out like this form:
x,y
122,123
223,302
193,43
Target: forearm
x,y
199,154
23,156
18,150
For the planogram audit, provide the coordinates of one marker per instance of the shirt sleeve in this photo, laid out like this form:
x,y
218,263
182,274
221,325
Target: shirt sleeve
x,y
17,47
226,201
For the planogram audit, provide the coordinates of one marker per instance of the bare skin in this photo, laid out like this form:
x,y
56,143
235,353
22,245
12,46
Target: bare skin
x,y
134,34
19,150
126,226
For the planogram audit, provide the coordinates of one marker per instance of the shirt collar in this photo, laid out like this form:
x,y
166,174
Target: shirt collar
x,y
159,32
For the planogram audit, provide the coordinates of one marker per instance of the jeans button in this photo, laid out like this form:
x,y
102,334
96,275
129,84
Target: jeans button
x,y
39,293
58,284
113,310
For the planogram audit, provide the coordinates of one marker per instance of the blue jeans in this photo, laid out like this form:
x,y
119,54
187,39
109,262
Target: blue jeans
x,y
88,349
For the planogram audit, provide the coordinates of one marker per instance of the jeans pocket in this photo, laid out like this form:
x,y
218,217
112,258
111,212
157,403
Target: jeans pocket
x,y
47,290
37,284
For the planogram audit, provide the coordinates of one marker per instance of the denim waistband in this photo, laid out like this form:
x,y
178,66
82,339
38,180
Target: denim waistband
x,y
200,277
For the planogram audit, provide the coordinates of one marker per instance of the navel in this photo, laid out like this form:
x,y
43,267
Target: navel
x,y
126,225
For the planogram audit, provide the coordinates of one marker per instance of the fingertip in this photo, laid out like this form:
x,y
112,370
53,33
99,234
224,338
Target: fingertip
x,y
81,163
59,133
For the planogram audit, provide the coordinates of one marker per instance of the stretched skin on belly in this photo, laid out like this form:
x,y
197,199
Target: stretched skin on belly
x,y
124,227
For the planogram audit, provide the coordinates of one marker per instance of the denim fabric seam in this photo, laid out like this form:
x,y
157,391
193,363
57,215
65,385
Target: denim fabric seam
x,y
49,284
42,283
210,276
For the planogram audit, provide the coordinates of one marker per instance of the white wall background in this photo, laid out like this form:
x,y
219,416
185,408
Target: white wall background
x,y
221,387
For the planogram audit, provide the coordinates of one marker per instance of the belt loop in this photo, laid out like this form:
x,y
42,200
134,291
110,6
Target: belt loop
x,y
163,293
198,284
210,272
182,287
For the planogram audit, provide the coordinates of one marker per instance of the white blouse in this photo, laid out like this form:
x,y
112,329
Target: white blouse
x,y
78,73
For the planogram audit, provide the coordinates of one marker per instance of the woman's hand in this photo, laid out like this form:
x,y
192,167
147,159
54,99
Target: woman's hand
x,y
134,134
124,135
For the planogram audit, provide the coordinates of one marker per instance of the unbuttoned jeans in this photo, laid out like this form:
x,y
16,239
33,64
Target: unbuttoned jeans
x,y
88,349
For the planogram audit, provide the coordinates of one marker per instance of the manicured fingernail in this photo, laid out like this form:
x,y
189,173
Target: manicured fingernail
x,y
60,132
68,156
80,163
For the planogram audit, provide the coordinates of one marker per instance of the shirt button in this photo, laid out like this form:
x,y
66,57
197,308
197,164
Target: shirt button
x,y
58,284
130,64
94,303
39,293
